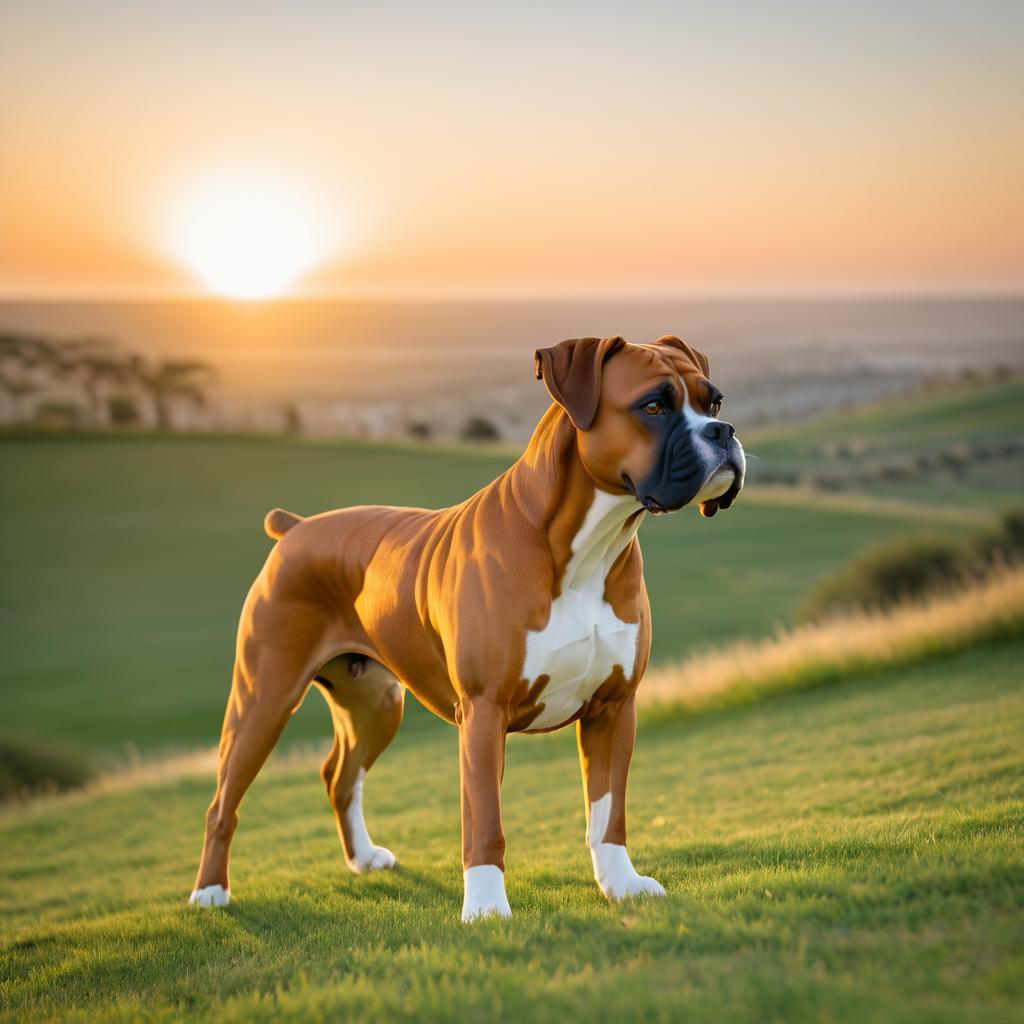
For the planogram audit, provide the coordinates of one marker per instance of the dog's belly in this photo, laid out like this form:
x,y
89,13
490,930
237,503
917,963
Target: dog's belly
x,y
577,650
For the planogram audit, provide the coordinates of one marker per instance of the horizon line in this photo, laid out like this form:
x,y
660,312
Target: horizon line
x,y
734,293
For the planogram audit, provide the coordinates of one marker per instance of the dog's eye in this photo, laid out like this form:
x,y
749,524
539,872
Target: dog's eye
x,y
654,408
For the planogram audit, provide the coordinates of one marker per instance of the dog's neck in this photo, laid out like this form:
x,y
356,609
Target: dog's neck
x,y
554,491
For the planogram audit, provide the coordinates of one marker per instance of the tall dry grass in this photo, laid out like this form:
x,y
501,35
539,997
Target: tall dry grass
x,y
845,644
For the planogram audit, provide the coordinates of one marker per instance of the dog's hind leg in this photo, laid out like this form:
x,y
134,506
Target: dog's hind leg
x,y
366,703
261,702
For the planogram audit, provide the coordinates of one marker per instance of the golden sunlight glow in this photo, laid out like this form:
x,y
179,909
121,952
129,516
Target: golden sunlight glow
x,y
247,240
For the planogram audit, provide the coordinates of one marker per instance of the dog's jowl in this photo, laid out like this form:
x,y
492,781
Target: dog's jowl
x,y
521,609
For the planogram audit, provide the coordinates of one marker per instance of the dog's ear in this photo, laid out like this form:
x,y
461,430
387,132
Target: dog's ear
x,y
571,371
695,355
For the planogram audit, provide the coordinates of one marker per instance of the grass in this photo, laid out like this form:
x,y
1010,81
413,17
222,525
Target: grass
x,y
846,854
896,431
947,621
126,560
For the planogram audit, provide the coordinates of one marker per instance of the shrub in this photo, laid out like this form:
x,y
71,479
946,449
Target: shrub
x,y
907,568
476,428
419,431
886,574
29,765
123,411
828,483
1005,542
847,644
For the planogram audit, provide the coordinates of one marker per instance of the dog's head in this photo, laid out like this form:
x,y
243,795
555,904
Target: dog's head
x,y
646,419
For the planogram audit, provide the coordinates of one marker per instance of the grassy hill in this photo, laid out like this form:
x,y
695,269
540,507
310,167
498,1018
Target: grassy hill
x,y
962,446
841,854
125,561
847,854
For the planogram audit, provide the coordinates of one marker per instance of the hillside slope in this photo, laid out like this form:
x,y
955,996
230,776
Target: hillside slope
x,y
885,882
127,559
961,445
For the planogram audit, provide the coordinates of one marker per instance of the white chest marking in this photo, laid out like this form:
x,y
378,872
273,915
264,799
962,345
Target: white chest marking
x,y
584,639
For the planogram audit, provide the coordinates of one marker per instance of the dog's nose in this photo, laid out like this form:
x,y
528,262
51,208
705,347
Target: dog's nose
x,y
718,431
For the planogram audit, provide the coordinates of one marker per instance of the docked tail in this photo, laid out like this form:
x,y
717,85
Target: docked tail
x,y
279,522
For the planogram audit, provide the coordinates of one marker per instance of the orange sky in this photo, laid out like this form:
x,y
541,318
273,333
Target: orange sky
x,y
552,148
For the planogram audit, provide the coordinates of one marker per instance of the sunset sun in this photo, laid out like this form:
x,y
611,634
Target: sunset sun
x,y
247,240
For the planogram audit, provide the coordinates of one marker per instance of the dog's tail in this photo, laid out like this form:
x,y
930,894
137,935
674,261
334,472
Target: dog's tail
x,y
279,521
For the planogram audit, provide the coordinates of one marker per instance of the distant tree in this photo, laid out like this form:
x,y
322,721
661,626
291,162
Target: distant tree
x,y
170,379
419,430
123,411
96,360
25,353
91,363
28,349
292,419
477,428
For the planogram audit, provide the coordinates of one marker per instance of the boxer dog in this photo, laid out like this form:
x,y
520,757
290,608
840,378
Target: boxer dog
x,y
521,610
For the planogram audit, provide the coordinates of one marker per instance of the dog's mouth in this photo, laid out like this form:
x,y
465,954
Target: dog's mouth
x,y
722,487
650,504
726,477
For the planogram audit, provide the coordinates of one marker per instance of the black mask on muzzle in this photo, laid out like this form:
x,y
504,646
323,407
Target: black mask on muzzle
x,y
681,466
678,471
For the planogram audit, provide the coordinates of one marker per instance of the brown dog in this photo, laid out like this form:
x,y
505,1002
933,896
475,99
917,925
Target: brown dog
x,y
522,609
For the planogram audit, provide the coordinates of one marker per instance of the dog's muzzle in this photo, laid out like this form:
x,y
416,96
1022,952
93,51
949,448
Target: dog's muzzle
x,y
704,464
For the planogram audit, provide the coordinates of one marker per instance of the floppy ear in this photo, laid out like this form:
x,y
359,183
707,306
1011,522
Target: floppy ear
x,y
571,372
696,356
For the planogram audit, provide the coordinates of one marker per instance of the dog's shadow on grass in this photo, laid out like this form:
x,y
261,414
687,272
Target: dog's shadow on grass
x,y
401,883
400,897
393,909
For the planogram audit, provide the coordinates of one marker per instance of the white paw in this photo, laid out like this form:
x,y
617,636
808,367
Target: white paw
x,y
638,885
484,893
373,858
210,896
365,855
616,875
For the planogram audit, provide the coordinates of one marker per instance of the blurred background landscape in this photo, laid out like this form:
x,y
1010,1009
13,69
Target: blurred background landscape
x,y
302,256
143,449
425,370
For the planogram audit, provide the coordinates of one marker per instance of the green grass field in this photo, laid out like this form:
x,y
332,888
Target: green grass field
x,y
125,561
848,854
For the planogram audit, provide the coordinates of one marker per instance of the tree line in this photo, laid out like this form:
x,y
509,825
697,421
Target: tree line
x,y
95,382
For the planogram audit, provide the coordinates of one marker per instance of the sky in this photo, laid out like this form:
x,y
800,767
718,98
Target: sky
x,y
529,148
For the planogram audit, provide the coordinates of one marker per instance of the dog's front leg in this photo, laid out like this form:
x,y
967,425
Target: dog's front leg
x,y
606,748
482,728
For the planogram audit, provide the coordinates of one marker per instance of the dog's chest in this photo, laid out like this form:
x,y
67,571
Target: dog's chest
x,y
584,640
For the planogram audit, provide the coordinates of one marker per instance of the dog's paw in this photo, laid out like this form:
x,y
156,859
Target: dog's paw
x,y
637,885
375,858
210,896
617,877
485,893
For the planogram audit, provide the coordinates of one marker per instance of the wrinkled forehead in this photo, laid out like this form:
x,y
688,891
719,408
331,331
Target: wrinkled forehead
x,y
636,370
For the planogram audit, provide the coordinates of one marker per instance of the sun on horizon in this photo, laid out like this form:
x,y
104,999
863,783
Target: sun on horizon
x,y
246,240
